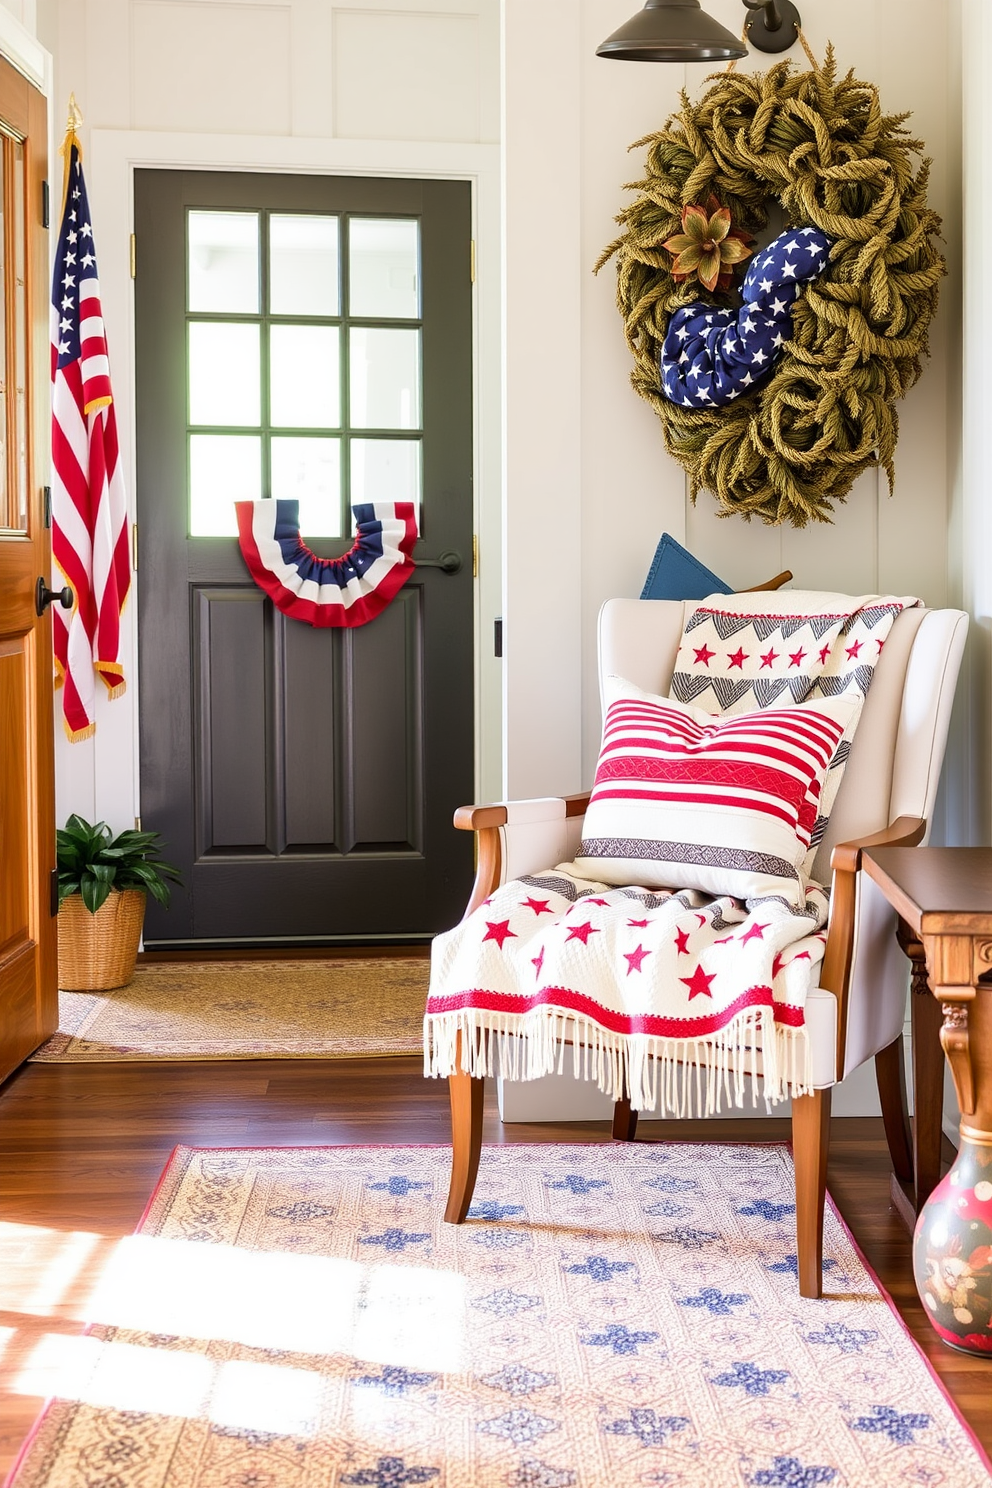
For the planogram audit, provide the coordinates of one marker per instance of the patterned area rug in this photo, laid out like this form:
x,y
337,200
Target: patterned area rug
x,y
248,1010
608,1316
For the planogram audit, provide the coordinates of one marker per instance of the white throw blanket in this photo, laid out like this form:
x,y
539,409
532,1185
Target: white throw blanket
x,y
672,995
675,997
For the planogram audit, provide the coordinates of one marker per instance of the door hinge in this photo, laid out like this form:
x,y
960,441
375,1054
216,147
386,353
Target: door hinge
x,y
498,636
46,492
53,893
45,207
475,556
134,546
471,260
137,823
133,256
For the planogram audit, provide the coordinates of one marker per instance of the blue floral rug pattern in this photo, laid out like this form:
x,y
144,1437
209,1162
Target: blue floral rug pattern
x,y
608,1315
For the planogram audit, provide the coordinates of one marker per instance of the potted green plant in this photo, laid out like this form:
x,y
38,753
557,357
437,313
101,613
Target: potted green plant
x,y
103,884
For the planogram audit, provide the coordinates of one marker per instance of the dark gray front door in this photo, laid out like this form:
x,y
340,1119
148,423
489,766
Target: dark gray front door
x,y
304,337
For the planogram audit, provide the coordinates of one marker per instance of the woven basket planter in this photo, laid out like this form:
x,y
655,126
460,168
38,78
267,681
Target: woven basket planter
x,y
97,952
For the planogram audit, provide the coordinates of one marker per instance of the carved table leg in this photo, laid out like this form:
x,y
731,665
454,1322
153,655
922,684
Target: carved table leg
x,y
928,1079
952,1249
913,1182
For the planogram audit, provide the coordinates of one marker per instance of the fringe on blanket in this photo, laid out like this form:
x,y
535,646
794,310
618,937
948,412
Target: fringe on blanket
x,y
672,1077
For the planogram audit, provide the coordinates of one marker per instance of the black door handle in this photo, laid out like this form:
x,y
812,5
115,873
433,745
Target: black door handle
x,y
449,562
43,596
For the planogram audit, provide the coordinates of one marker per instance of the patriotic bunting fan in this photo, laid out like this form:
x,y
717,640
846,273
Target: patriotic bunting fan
x,y
346,591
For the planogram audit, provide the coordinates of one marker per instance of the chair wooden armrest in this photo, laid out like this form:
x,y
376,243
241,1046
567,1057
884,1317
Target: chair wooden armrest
x,y
488,821
838,956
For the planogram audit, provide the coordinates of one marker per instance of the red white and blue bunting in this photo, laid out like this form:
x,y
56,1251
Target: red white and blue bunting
x,y
346,591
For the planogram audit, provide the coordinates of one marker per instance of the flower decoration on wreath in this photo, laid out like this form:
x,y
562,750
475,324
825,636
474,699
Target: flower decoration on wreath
x,y
775,371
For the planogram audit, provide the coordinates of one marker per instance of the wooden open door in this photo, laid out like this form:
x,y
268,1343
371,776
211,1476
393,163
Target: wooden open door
x,y
28,995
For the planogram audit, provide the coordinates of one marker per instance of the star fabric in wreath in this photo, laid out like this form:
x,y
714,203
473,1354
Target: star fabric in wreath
x,y
710,357
325,592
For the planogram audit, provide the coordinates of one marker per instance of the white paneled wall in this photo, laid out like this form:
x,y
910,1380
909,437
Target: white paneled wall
x,y
303,85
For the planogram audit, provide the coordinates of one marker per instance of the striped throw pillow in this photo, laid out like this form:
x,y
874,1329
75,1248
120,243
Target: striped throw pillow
x,y
727,805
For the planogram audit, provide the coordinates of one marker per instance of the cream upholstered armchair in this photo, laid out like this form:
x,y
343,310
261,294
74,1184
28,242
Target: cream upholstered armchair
x,y
887,795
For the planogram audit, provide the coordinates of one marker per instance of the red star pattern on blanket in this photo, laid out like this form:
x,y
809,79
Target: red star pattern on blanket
x,y
756,932
499,931
605,968
824,653
635,958
738,658
704,654
582,932
699,983
539,906
853,650
769,658
796,657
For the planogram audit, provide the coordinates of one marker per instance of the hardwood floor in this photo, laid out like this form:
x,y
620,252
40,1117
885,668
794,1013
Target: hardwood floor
x,y
81,1147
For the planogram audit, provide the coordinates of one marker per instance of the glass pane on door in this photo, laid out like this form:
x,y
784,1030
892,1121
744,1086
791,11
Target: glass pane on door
x,y
223,469
224,381
385,378
304,377
384,268
309,471
386,470
223,262
303,265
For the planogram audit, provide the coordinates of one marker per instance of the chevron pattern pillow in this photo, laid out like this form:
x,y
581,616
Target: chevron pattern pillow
x,y
801,645
725,805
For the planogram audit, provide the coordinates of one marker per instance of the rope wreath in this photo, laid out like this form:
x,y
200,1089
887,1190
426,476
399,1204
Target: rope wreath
x,y
822,148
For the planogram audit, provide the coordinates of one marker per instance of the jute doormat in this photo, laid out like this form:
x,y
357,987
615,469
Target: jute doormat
x,y
247,1010
609,1316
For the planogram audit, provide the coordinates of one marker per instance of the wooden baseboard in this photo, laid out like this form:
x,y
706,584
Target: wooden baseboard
x,y
415,952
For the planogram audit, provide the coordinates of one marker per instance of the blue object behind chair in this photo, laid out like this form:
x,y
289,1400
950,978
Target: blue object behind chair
x,y
676,574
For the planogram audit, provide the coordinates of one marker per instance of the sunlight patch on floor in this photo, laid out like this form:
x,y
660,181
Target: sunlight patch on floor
x,y
303,1304
234,1394
39,1266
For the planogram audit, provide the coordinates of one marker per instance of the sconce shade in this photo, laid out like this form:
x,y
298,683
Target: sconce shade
x,y
672,31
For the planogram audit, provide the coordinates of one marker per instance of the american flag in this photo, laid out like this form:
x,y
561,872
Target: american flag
x,y
89,510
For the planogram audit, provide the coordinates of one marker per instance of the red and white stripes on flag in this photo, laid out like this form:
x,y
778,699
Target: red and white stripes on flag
x,y
89,509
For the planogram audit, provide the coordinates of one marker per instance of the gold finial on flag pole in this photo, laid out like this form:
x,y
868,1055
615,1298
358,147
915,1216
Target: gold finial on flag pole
x,y
70,138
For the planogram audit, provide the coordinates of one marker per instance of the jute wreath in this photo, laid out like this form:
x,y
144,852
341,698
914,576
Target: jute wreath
x,y
817,151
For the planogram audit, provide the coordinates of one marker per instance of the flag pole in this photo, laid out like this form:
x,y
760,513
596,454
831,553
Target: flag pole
x,y
73,121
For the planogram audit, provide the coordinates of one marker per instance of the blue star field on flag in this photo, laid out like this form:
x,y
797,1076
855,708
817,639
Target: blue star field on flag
x,y
710,357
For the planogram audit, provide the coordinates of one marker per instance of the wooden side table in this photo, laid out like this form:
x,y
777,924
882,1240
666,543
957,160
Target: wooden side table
x,y
943,896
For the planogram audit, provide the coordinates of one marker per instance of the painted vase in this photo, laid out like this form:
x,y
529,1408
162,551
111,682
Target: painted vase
x,y
952,1252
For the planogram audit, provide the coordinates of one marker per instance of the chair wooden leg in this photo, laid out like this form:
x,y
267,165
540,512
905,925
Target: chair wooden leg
x,y
810,1141
466,1096
624,1120
890,1076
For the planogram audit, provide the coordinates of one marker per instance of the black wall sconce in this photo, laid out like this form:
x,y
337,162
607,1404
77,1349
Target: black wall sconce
x,y
681,31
